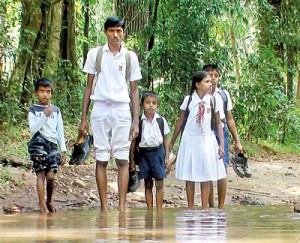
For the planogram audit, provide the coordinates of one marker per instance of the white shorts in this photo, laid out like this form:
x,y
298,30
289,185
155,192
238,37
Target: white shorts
x,y
111,123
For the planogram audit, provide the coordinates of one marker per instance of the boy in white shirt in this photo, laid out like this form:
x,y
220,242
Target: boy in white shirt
x,y
153,149
46,126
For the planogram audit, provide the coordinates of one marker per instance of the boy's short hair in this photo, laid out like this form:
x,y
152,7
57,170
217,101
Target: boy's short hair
x,y
43,82
211,67
114,21
149,94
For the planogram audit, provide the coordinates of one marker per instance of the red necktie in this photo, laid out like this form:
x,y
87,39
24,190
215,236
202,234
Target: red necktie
x,y
200,114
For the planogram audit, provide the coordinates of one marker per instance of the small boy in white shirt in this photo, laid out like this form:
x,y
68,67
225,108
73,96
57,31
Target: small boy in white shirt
x,y
153,149
47,129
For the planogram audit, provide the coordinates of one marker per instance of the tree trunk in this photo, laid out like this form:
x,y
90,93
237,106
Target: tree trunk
x,y
52,52
30,31
134,13
298,90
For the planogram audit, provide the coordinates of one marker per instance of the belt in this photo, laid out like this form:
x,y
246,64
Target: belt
x,y
147,149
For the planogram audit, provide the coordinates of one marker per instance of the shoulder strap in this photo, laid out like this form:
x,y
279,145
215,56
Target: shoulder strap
x,y
128,64
213,118
225,101
99,59
160,122
186,114
139,137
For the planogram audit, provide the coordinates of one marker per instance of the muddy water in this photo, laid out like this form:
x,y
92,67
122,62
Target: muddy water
x,y
235,224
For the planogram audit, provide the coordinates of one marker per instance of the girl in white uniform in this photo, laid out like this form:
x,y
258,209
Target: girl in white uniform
x,y
199,158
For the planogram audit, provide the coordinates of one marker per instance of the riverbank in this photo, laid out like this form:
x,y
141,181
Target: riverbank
x,y
275,180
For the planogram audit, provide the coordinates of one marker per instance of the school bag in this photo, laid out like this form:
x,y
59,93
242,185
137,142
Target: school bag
x,y
213,103
99,61
160,122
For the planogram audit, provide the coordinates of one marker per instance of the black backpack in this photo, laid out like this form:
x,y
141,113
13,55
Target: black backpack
x,y
212,104
160,122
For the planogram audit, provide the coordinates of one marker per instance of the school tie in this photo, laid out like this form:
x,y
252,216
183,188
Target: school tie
x,y
200,114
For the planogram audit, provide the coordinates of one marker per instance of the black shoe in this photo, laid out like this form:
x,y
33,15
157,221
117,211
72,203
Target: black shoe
x,y
81,150
238,161
247,170
134,181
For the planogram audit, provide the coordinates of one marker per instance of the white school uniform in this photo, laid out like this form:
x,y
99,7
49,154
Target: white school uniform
x,y
198,158
151,134
111,116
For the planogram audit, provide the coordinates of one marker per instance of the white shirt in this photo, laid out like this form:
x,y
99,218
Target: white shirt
x,y
221,102
51,127
151,134
111,84
192,127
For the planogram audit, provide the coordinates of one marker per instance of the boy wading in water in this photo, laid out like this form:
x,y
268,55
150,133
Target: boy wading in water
x,y
46,126
153,149
112,122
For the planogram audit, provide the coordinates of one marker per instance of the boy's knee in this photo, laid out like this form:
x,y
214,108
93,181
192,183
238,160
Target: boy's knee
x,y
121,162
159,184
148,184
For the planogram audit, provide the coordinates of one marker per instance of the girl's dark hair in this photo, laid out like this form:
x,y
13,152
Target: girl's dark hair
x,y
198,77
114,21
43,82
149,94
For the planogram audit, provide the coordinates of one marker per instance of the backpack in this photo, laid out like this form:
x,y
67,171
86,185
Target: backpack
x,y
213,103
99,61
160,122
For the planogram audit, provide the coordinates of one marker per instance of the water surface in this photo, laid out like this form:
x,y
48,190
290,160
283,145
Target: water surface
x,y
235,224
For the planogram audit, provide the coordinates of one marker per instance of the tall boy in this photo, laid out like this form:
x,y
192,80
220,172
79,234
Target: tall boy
x,y
153,149
227,121
46,126
111,119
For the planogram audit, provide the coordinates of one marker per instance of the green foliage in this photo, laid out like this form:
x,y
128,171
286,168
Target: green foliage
x,y
187,34
4,176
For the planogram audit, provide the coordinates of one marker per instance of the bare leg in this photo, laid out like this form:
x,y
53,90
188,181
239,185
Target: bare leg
x,y
149,194
205,189
211,196
222,189
40,186
190,193
50,188
101,180
123,177
159,194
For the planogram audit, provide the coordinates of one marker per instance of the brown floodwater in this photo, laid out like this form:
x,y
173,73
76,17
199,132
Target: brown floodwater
x,y
235,224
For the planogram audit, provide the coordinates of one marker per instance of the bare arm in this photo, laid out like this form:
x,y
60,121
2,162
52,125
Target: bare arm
x,y
232,128
176,131
85,105
220,134
131,154
135,109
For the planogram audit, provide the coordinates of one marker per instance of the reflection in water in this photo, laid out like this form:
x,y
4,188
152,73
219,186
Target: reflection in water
x,y
201,225
154,232
240,223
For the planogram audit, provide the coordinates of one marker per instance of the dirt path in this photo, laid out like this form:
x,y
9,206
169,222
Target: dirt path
x,y
274,181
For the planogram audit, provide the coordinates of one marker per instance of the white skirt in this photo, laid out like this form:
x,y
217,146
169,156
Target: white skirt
x,y
198,159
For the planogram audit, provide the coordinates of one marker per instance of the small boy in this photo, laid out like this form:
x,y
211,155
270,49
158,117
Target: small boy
x,y
46,126
153,149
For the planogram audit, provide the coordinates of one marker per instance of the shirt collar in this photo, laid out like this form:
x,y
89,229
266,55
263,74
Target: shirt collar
x,y
196,99
216,91
106,48
143,117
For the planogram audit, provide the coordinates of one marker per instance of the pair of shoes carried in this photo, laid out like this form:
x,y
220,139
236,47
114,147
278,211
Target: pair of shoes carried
x,y
134,181
240,165
81,150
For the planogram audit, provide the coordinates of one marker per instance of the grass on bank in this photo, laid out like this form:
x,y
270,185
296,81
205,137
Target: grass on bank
x,y
13,142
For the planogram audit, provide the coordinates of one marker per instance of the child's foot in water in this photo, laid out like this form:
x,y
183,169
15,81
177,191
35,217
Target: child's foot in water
x,y
51,207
